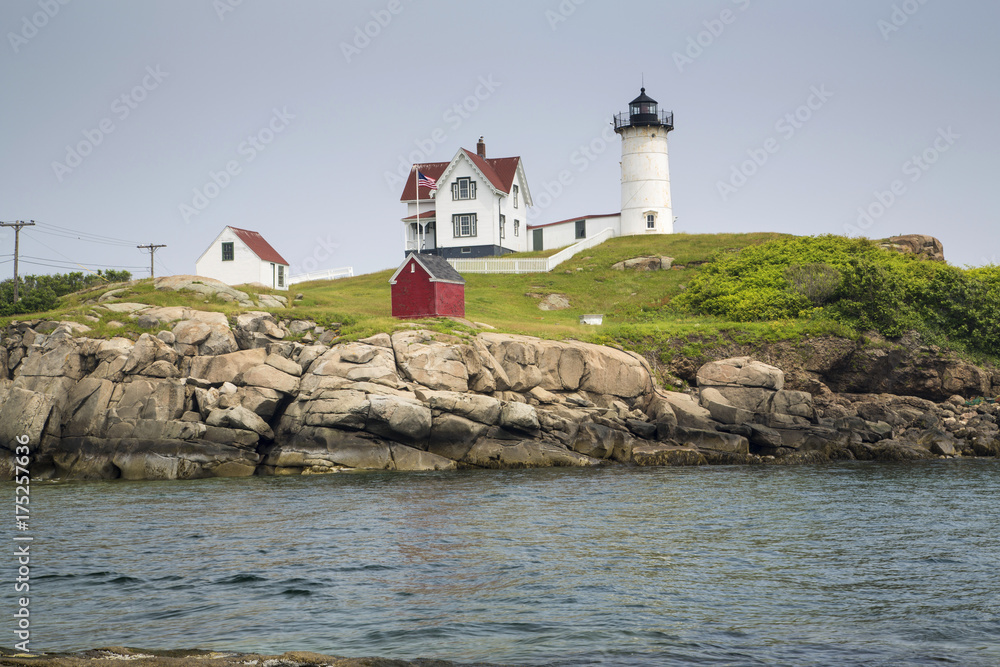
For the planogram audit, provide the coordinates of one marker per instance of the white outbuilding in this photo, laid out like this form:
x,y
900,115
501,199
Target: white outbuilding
x,y
240,256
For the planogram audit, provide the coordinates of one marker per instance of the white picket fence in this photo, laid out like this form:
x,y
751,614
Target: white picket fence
x,y
329,274
530,264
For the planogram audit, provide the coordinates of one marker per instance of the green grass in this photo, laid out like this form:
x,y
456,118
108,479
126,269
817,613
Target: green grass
x,y
635,304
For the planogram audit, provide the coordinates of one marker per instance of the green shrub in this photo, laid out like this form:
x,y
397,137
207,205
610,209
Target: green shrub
x,y
856,283
817,282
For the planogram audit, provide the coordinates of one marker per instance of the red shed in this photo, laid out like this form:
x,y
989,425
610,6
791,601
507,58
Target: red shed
x,y
427,286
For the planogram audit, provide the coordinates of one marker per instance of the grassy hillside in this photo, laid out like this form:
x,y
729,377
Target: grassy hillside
x,y
510,302
746,288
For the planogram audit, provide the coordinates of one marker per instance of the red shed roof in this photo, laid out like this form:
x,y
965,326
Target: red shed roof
x,y
260,247
500,171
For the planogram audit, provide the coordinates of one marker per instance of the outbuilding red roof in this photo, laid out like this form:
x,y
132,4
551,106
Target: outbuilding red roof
x,y
260,247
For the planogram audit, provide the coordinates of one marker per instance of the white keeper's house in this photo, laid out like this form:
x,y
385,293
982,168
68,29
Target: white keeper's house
x,y
479,206
240,256
478,209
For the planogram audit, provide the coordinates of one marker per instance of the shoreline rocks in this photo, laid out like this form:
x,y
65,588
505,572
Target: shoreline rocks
x,y
214,399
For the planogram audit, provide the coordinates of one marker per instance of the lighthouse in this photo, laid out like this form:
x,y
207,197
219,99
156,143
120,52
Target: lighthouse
x,y
646,207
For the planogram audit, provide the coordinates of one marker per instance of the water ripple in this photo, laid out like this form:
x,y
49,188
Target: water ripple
x,y
852,564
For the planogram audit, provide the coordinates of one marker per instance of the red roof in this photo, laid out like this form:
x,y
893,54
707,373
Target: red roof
x,y
260,247
431,169
500,171
424,215
580,217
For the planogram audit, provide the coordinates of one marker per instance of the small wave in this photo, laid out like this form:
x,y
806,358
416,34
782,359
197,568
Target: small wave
x,y
240,579
364,568
86,575
296,592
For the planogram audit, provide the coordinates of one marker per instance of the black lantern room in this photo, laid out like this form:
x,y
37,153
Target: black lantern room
x,y
643,111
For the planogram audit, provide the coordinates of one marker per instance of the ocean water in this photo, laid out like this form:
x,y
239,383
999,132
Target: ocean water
x,y
841,564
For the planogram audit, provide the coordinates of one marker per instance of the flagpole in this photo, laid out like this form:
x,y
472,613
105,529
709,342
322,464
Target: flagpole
x,y
416,185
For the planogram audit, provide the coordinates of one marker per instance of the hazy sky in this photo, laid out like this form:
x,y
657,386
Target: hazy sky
x,y
162,121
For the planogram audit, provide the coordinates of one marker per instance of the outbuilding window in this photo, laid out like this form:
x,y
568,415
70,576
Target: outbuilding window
x,y
581,229
281,275
227,251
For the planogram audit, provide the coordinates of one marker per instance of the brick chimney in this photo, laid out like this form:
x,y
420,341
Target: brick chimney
x,y
481,148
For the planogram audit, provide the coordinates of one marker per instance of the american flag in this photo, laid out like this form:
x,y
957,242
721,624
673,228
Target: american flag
x,y
426,181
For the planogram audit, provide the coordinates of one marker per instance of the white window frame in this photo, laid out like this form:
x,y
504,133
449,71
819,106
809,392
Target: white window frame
x,y
503,226
517,227
464,225
515,197
650,220
281,275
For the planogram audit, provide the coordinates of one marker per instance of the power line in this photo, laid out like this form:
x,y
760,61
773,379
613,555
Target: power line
x,y
77,234
71,260
166,268
152,248
73,264
17,239
88,240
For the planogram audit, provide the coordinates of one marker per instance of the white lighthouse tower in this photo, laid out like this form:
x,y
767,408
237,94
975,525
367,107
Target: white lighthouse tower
x,y
646,207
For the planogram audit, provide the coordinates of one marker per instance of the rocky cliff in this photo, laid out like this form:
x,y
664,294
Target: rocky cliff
x,y
206,397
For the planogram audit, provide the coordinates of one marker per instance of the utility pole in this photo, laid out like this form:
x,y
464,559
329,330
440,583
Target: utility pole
x,y
152,249
17,244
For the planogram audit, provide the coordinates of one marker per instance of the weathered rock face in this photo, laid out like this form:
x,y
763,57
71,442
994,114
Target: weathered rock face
x,y
873,366
916,244
206,286
744,391
647,263
206,399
